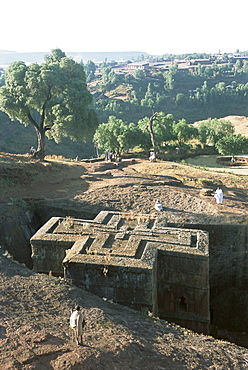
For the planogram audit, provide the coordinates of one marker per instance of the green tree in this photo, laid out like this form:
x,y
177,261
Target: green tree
x,y
139,74
171,76
53,97
116,135
2,77
245,66
180,99
134,137
149,97
158,128
184,131
212,130
164,127
232,145
238,67
90,69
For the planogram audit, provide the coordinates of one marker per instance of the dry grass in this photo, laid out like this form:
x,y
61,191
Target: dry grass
x,y
199,167
233,175
240,124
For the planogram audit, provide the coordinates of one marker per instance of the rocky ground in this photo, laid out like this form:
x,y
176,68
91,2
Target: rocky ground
x,y
34,331
35,308
134,186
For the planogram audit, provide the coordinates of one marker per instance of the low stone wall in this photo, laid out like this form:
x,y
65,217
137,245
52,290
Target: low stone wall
x,y
226,161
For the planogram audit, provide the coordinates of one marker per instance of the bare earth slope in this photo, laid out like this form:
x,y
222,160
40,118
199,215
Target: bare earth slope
x,y
134,186
35,308
34,332
240,124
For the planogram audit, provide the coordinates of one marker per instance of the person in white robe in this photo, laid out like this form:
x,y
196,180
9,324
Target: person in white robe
x,y
152,156
218,195
158,206
76,324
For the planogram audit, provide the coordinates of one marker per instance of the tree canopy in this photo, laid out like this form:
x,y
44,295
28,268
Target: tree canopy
x,y
232,144
116,136
150,132
53,97
212,130
184,131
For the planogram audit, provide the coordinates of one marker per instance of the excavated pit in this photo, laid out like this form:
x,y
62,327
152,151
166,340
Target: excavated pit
x,y
228,264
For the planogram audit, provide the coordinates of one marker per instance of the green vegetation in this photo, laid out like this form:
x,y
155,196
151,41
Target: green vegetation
x,y
208,183
212,130
193,93
160,130
116,136
53,97
184,132
232,144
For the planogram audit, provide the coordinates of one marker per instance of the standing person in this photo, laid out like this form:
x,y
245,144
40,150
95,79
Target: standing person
x,y
32,150
76,324
218,195
152,156
158,206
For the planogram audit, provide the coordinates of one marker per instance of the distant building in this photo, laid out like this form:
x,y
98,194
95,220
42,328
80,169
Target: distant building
x,y
241,58
200,61
137,65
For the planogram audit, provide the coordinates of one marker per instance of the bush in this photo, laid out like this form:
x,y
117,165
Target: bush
x,y
232,145
208,183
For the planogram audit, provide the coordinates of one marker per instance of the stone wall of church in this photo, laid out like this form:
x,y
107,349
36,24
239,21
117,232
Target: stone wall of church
x,y
183,289
228,275
128,286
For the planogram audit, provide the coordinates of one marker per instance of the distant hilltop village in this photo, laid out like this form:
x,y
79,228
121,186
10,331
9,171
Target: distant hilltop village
x,y
126,60
7,57
183,64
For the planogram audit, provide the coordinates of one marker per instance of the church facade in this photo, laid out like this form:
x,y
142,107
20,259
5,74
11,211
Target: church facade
x,y
132,259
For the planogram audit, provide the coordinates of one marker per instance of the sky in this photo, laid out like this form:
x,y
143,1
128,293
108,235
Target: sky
x,y
156,27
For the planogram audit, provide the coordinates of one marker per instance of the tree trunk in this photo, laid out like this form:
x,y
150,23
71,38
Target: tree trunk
x,y
40,133
149,127
40,153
